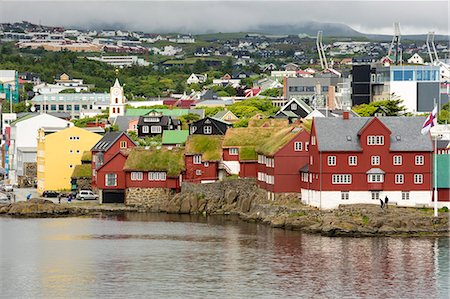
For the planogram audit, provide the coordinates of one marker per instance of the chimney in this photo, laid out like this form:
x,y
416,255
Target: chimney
x,y
331,97
345,115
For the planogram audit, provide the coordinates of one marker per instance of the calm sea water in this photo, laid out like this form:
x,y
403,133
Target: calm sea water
x,y
173,256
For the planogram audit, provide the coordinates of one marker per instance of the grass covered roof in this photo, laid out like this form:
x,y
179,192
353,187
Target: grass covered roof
x,y
163,159
86,157
277,141
82,171
247,139
209,146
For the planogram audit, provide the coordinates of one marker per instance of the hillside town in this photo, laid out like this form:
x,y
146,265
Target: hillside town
x,y
343,128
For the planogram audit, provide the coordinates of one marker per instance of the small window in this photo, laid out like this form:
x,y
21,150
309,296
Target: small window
x,y
310,160
198,172
123,144
234,151
136,176
397,160
375,178
70,166
206,164
375,195
156,176
331,160
298,146
375,160
156,129
405,195
145,129
78,151
313,140
306,146
293,106
399,178
207,130
418,179
111,179
352,160
197,159
193,129
375,140
345,195
419,160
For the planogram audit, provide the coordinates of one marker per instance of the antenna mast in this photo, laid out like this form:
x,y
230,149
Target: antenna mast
x,y
320,50
395,44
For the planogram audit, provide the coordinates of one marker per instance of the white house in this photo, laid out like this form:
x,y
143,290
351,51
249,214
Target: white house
x,y
415,59
24,133
196,78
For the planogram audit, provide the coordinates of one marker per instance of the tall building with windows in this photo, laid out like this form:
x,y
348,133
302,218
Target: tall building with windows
x,y
360,160
117,101
58,153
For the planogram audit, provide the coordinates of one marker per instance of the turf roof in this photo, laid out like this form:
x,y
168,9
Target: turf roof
x,y
277,141
86,157
82,171
163,159
209,146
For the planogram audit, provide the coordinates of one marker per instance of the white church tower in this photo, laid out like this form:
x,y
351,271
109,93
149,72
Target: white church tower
x,y
117,101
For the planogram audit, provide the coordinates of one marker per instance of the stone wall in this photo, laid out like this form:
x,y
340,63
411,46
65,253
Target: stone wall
x,y
29,177
149,198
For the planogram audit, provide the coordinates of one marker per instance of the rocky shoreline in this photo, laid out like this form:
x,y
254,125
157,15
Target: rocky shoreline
x,y
243,198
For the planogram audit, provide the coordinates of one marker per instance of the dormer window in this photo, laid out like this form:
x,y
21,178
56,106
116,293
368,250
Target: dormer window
x,y
151,119
375,140
293,106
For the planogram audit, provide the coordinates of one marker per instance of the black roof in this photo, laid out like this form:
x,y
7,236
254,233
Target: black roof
x,y
163,121
107,141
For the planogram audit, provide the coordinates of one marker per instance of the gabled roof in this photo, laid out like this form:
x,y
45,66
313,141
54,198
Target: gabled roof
x,y
247,139
220,114
175,136
300,103
169,161
82,171
337,134
123,122
209,146
108,140
278,141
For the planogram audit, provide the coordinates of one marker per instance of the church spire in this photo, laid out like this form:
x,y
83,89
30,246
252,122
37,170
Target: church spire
x,y
117,84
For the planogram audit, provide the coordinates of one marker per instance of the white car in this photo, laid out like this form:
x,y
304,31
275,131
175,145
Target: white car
x,y
86,194
8,188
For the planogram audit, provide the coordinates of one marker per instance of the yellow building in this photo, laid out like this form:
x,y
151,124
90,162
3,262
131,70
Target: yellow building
x,y
58,153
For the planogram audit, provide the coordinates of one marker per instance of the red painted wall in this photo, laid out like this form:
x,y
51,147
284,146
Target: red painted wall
x,y
248,169
444,195
115,165
209,172
358,172
170,182
228,157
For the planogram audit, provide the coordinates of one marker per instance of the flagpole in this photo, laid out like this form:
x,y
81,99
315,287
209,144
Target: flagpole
x,y
435,193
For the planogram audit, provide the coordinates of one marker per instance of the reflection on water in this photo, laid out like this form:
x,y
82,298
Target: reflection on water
x,y
152,255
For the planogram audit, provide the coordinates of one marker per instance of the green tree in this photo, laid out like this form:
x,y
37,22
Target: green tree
x,y
199,66
392,107
271,92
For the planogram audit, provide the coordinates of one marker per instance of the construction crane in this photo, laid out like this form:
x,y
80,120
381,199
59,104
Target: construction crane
x,y
434,58
395,44
320,50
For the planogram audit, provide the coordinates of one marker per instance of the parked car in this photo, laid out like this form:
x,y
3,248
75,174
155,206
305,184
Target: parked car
x,y
50,193
86,194
8,188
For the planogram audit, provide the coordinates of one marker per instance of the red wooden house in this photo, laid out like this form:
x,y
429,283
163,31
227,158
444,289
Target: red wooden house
x,y
202,158
107,148
154,168
280,160
363,159
110,178
239,154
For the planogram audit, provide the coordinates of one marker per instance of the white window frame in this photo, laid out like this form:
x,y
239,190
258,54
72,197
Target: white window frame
x,y
352,160
157,176
111,177
145,129
193,129
313,140
375,195
418,178
405,195
206,164
207,130
298,146
123,144
341,179
198,172
331,160
306,146
294,106
345,195
197,159
311,160
419,159
137,176
156,129
397,160
375,140
399,179
375,160
375,178
234,151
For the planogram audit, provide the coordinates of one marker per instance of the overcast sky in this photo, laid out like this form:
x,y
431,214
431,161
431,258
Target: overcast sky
x,y
415,17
